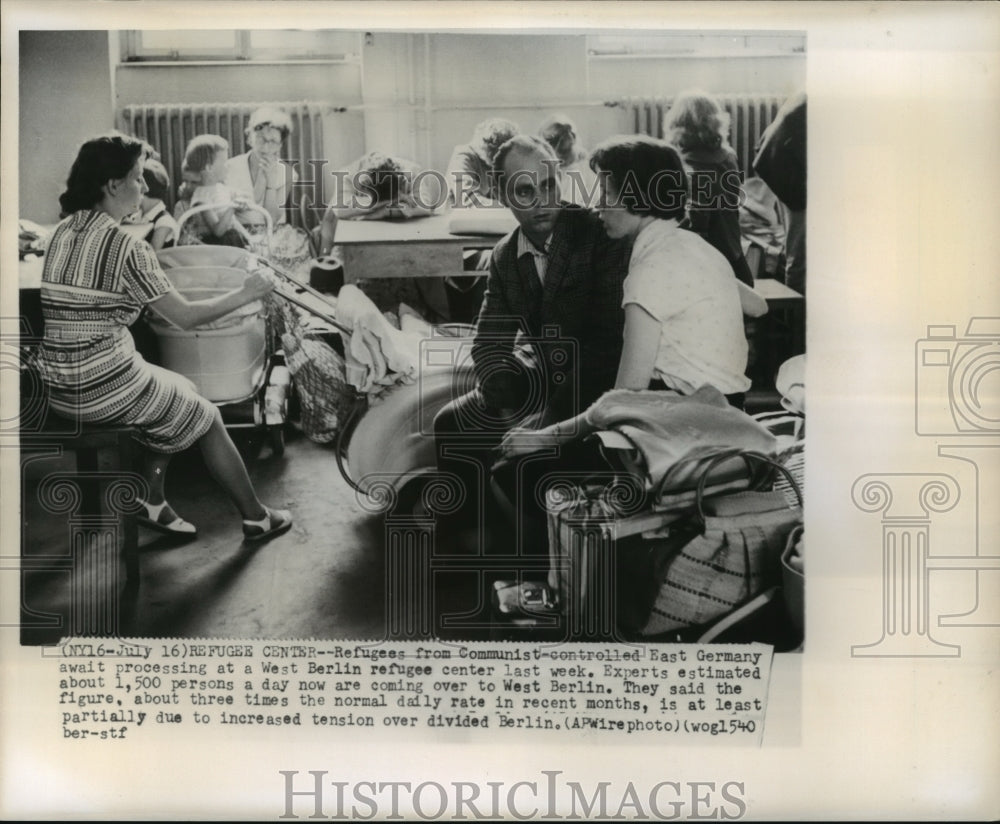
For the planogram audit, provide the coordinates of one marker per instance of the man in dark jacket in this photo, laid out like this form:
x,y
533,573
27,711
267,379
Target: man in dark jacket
x,y
549,334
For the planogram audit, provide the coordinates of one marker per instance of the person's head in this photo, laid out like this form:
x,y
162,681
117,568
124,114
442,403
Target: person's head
x,y
205,159
157,179
490,135
380,177
107,173
641,177
526,176
696,121
267,130
560,133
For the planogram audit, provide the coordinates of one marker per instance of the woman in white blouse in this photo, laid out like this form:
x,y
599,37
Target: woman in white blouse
x,y
683,310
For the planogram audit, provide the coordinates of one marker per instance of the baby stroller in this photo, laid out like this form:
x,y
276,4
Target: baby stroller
x,y
388,443
236,361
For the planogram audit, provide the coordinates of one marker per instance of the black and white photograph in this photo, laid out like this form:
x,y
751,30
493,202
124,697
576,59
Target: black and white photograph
x,y
398,402
384,399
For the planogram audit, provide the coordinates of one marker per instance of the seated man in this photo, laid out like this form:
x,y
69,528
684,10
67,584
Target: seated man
x,y
556,282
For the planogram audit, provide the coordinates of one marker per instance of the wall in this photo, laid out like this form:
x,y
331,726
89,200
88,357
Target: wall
x,y
411,94
65,97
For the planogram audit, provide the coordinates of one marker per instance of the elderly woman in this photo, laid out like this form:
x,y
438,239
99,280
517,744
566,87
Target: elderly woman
x,y
699,129
96,280
259,174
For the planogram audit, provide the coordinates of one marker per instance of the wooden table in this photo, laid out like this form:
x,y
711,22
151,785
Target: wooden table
x,y
792,304
418,247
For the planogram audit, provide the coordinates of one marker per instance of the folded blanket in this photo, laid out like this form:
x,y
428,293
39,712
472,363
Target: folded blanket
x,y
655,435
378,353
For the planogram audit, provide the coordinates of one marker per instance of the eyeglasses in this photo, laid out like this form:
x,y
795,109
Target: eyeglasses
x,y
268,141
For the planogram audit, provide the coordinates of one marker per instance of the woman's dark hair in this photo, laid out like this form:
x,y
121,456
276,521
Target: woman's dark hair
x,y
647,174
105,158
157,179
382,178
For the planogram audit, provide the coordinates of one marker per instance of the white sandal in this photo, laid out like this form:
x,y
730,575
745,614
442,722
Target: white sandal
x,y
275,522
158,518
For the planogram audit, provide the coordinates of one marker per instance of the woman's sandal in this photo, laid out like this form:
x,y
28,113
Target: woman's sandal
x,y
274,523
163,519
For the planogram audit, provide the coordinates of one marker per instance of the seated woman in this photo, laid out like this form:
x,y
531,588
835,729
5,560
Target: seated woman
x,y
259,174
683,310
96,281
378,187
470,185
579,183
699,129
470,169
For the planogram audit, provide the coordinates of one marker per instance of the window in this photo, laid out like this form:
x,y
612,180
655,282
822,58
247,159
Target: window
x,y
695,44
178,45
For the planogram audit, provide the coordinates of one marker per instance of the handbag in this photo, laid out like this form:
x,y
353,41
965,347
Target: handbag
x,y
726,552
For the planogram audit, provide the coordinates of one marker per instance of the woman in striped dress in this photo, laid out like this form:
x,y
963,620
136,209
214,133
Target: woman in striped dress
x,y
96,280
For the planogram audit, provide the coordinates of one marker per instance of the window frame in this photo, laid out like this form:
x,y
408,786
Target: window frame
x,y
243,52
691,45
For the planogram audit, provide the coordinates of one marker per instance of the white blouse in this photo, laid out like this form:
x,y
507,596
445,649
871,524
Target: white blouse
x,y
688,286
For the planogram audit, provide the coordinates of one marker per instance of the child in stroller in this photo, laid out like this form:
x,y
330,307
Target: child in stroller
x,y
204,184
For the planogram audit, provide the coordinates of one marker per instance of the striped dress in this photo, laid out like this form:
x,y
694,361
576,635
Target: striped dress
x,y
95,282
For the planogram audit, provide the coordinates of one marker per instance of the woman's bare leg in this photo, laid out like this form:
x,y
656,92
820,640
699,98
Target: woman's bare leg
x,y
226,466
155,471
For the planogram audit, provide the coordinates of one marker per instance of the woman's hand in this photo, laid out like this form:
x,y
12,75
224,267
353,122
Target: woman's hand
x,y
271,170
256,286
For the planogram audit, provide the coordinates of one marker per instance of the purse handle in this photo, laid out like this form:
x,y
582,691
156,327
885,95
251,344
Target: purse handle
x,y
749,458
715,458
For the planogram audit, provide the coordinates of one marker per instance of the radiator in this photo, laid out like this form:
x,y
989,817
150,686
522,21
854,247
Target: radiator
x,y
750,116
169,126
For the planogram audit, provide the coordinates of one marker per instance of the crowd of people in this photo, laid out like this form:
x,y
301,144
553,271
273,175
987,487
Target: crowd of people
x,y
615,250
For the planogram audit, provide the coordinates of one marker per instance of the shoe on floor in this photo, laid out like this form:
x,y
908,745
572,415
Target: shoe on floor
x,y
274,523
163,519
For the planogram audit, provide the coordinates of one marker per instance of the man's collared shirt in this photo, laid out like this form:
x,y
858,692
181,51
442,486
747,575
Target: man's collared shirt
x,y
541,256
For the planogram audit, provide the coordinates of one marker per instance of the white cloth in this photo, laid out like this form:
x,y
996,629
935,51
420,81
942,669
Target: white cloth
x,y
791,383
377,353
688,286
216,194
541,256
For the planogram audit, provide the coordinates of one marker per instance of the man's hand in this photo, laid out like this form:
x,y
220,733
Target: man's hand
x,y
523,441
